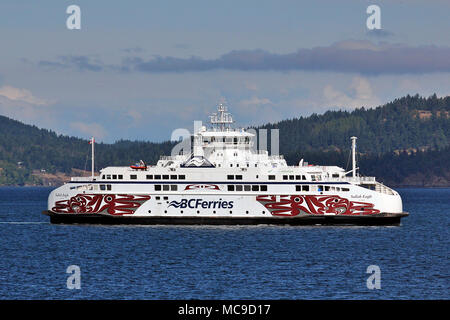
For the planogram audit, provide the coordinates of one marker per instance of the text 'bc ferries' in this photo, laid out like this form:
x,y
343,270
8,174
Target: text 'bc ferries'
x,y
224,180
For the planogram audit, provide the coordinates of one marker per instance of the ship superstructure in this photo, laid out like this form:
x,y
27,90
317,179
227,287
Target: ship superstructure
x,y
224,179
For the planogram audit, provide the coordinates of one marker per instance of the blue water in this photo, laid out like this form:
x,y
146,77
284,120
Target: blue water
x,y
229,262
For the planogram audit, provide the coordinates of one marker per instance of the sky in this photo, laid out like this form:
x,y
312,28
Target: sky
x,y
140,69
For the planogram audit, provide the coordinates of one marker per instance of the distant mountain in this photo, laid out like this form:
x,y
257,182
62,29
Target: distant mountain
x,y
398,142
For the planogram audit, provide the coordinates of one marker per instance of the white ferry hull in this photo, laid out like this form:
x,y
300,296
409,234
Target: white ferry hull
x,y
210,206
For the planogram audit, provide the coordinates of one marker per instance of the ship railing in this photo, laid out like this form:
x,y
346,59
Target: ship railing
x,y
354,179
379,187
176,157
81,178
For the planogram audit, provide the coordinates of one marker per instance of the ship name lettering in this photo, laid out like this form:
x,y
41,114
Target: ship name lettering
x,y
200,203
65,195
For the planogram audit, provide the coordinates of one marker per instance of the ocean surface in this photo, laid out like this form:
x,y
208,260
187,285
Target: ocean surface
x,y
223,262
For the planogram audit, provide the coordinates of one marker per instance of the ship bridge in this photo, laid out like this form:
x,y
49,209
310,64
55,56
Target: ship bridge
x,y
224,146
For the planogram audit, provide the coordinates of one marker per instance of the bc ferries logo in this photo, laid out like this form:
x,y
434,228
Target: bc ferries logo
x,y
200,203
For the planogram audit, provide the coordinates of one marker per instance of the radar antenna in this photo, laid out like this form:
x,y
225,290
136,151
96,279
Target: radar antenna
x,y
222,119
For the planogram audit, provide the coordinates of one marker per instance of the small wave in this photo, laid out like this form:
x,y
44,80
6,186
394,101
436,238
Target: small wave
x,y
22,222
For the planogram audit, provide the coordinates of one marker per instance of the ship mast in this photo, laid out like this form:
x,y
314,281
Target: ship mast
x,y
222,119
92,142
354,156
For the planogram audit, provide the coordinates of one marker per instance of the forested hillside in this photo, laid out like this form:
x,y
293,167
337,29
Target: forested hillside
x,y
398,142
408,122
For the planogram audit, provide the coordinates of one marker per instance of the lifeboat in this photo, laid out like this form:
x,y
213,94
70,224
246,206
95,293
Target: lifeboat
x,y
139,166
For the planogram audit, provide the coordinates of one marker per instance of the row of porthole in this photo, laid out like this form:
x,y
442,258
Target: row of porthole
x,y
198,212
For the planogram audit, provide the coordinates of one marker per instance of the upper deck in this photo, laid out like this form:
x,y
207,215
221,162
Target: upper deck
x,y
222,153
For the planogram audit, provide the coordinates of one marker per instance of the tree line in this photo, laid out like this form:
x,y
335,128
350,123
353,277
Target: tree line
x,y
405,135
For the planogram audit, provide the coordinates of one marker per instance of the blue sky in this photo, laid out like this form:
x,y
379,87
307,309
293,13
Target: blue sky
x,y
139,69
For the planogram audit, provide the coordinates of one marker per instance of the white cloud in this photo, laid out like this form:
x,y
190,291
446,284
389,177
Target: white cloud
x,y
135,115
254,101
22,95
89,129
251,86
359,94
22,105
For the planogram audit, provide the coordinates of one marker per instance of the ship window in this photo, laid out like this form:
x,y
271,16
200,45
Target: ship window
x,y
237,165
345,189
263,188
103,176
303,177
173,176
157,187
285,177
248,165
166,198
230,177
114,176
133,177
102,187
298,188
238,177
108,176
181,177
166,176
255,187
157,198
231,165
305,188
256,165
247,188
230,187
149,176
173,187
298,177
166,187
320,188
239,187
335,175
271,177
157,176
108,187
120,177
291,177
313,178
327,188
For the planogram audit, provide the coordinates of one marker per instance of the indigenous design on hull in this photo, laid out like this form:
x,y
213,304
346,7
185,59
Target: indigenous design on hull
x,y
202,186
114,204
293,205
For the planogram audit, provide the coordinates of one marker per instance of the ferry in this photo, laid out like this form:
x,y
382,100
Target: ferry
x,y
222,179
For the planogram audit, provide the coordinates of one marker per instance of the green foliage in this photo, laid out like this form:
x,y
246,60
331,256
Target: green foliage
x,y
44,149
13,174
321,139
394,126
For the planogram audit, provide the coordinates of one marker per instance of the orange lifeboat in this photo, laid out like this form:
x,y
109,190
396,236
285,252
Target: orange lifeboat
x,y
139,166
